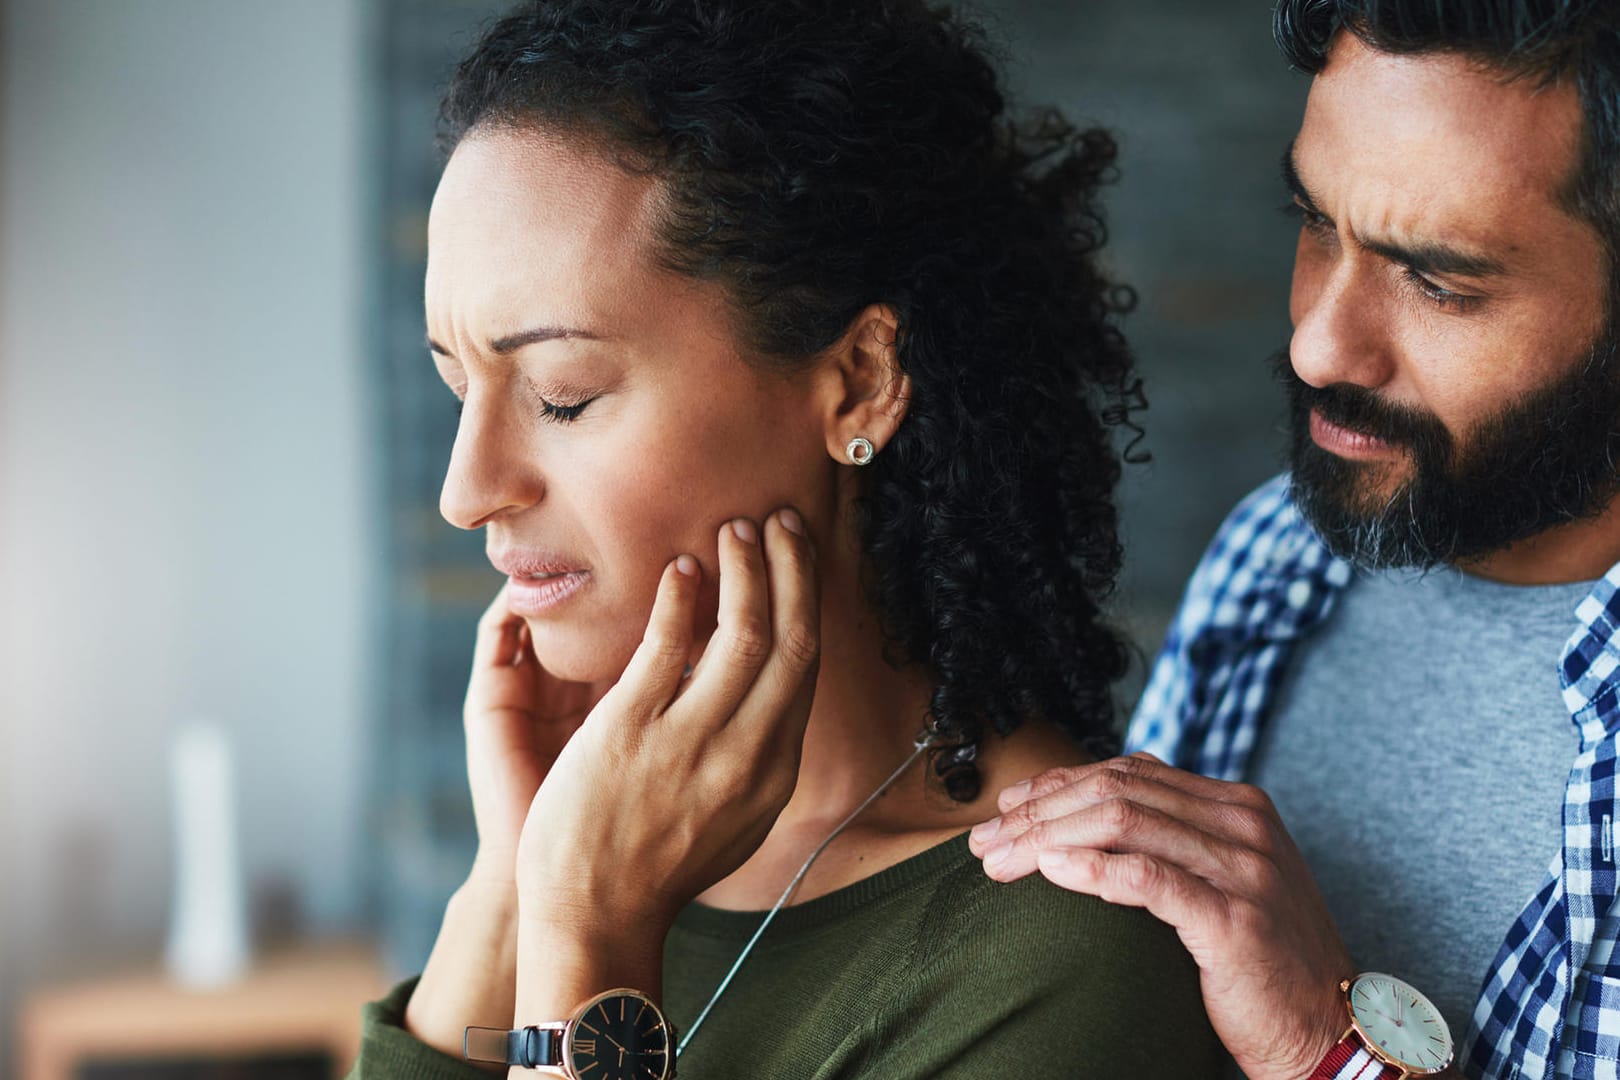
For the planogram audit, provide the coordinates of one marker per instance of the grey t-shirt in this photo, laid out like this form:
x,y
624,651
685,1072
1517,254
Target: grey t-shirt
x,y
1418,753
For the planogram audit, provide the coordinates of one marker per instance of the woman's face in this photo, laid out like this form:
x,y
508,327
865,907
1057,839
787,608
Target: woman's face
x,y
610,419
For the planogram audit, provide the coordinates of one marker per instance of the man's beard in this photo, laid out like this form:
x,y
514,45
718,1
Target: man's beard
x,y
1545,459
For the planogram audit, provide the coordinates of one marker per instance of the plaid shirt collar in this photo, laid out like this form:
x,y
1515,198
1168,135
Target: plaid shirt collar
x,y
1550,1006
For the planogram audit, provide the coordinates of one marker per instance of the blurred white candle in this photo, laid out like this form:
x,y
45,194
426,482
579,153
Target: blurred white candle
x,y
208,935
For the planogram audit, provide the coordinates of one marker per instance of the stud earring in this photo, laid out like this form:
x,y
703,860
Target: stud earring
x,y
860,451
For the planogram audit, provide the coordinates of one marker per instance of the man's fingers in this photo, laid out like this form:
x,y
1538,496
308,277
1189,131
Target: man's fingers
x,y
655,669
1202,787
1083,787
1116,782
1115,826
1142,765
1187,902
743,636
795,621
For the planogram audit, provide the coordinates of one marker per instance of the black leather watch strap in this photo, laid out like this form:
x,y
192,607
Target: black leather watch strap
x,y
528,1047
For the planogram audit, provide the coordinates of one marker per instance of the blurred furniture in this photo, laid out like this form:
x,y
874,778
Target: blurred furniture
x,y
296,1016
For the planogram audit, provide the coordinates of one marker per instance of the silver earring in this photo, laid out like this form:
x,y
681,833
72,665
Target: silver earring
x,y
860,451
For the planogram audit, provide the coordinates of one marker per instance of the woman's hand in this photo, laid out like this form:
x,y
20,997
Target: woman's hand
x,y
671,783
517,718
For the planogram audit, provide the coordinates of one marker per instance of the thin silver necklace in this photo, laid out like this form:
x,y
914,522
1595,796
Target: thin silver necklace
x,y
917,748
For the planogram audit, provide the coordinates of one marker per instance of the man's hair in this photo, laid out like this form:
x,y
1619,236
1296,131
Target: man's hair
x,y
1539,40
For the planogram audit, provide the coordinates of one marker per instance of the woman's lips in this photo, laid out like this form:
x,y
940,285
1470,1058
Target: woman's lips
x,y
538,581
1346,443
538,595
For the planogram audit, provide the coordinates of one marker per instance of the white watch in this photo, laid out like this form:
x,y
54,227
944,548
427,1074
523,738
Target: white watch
x,y
1395,1033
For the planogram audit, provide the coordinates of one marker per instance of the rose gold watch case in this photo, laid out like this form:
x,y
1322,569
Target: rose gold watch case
x,y
1361,1033
567,1068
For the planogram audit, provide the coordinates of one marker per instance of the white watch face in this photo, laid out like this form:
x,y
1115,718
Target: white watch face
x,y
1400,1021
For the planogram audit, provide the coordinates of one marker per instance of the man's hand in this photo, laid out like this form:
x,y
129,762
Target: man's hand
x,y
1214,861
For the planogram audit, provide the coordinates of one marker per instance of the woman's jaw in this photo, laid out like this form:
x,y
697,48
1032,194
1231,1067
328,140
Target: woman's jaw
x,y
586,623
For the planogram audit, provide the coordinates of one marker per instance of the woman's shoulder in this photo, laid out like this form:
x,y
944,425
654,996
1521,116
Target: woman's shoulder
x,y
1028,978
1046,926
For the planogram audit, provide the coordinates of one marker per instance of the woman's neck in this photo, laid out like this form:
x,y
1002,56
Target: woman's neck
x,y
867,715
863,724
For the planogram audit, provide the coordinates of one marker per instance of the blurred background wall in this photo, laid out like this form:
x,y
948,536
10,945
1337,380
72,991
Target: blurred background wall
x,y
185,494
220,436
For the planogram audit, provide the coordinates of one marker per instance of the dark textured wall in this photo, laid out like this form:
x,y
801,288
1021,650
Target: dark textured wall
x,y
1203,107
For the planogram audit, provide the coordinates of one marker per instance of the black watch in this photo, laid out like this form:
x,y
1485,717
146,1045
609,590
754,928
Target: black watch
x,y
619,1035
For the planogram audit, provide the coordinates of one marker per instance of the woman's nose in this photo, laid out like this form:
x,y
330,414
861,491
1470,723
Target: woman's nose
x,y
492,467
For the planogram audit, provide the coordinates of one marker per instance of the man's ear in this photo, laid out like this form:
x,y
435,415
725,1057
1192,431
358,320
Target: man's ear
x,y
865,392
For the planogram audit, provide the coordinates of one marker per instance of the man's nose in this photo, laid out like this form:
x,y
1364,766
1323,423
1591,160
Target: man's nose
x,y
1339,325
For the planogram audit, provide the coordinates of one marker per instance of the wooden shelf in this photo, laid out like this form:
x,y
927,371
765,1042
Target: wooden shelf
x,y
299,1000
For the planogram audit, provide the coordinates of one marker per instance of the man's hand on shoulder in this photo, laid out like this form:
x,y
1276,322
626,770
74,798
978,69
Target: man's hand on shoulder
x,y
1214,861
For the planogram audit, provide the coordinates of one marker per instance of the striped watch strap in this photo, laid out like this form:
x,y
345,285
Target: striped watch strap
x,y
1350,1060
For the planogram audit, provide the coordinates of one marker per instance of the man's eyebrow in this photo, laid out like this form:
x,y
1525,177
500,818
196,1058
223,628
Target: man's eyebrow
x,y
534,336
1290,177
1430,258
1425,257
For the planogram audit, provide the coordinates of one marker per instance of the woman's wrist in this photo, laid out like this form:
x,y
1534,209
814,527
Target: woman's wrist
x,y
562,963
471,975
493,872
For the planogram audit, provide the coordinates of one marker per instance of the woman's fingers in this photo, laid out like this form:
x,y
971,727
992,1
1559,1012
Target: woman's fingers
x,y
499,680
767,638
789,671
655,670
498,641
743,637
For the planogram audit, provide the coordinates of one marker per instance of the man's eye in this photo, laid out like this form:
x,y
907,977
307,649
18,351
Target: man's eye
x,y
1313,222
1439,295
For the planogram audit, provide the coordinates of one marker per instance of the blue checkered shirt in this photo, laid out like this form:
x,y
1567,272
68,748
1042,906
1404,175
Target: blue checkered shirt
x,y
1550,1006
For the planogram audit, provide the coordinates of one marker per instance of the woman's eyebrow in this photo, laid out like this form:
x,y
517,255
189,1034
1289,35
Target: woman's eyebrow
x,y
512,342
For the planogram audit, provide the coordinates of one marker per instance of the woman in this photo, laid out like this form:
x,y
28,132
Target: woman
x,y
765,322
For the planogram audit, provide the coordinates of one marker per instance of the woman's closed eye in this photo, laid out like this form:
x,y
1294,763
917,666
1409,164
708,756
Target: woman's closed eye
x,y
549,410
560,413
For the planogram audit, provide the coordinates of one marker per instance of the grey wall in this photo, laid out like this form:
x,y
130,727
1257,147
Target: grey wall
x,y
184,519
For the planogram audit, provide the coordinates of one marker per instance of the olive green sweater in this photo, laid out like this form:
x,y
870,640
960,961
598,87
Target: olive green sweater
x,y
927,969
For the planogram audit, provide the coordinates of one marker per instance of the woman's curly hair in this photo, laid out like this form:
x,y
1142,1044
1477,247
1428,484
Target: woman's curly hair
x,y
820,156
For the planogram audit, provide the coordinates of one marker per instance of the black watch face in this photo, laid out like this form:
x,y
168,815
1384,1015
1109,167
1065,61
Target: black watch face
x,y
621,1037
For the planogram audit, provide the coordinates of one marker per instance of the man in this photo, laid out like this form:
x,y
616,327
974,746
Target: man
x,y
1405,644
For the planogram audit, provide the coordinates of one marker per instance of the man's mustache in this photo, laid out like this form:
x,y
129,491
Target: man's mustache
x,y
1361,410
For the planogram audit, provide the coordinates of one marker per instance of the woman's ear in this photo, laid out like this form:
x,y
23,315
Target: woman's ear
x,y
865,391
